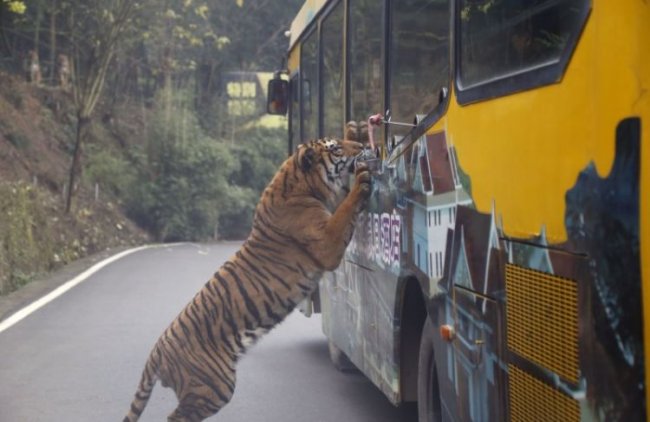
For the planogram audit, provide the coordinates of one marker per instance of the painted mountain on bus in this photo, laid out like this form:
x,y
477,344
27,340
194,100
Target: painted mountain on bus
x,y
602,220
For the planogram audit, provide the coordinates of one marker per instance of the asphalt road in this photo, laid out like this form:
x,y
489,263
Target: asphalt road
x,y
79,358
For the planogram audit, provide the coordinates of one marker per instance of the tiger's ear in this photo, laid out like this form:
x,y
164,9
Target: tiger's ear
x,y
307,156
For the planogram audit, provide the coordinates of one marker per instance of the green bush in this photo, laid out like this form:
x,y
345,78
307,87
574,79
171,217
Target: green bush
x,y
18,140
259,153
189,186
236,212
24,239
110,170
182,191
182,180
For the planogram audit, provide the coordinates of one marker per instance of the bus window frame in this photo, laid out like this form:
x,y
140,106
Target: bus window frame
x,y
314,30
385,39
345,6
524,80
435,114
294,138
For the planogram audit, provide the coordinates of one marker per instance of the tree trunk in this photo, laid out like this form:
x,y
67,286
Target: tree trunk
x,y
6,47
37,27
88,82
75,168
53,39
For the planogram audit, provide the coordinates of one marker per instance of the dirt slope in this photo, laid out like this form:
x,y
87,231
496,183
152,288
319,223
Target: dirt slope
x,y
37,127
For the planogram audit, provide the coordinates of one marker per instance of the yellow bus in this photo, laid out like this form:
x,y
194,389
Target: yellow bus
x,y
497,271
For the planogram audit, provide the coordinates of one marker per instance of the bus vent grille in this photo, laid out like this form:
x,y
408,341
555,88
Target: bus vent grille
x,y
542,320
531,399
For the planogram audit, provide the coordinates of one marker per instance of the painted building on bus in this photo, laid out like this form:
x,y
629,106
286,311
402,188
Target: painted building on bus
x,y
435,193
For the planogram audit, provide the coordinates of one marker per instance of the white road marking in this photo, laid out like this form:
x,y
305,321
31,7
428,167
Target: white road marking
x,y
34,306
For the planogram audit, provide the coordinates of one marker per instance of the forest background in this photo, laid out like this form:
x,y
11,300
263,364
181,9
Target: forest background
x,y
128,132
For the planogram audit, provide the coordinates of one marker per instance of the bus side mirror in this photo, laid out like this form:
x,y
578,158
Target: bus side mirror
x,y
278,96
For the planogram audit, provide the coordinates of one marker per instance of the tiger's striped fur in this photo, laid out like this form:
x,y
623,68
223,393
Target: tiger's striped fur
x,y
301,228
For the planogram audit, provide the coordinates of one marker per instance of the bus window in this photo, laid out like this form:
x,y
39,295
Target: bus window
x,y
294,113
419,57
309,91
365,38
505,38
332,79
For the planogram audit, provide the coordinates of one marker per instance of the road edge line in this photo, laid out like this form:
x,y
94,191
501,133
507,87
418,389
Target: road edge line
x,y
39,303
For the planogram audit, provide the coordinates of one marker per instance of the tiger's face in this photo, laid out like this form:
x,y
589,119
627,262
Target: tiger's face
x,y
330,162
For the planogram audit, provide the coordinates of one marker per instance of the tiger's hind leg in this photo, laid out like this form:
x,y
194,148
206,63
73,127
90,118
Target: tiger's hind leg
x,y
194,412
199,404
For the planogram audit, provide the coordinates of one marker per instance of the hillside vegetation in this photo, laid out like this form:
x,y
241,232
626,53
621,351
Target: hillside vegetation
x,y
147,177
36,236
128,122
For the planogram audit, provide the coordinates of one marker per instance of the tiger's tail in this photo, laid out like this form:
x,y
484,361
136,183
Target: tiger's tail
x,y
147,382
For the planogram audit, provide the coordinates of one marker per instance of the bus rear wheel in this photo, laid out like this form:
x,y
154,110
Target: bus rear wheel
x,y
339,359
429,409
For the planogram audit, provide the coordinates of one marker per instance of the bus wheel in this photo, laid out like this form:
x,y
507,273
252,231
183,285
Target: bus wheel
x,y
340,360
428,393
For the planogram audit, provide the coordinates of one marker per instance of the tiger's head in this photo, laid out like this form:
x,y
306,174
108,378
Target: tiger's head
x,y
327,165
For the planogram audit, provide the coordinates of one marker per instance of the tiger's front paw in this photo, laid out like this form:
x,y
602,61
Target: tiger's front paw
x,y
362,181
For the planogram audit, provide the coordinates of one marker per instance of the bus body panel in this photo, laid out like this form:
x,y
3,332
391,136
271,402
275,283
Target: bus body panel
x,y
639,19
359,305
562,127
306,15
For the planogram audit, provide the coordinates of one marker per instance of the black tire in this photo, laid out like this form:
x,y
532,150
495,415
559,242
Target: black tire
x,y
429,409
339,359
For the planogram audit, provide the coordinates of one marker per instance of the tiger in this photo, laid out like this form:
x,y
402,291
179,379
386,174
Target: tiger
x,y
302,225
